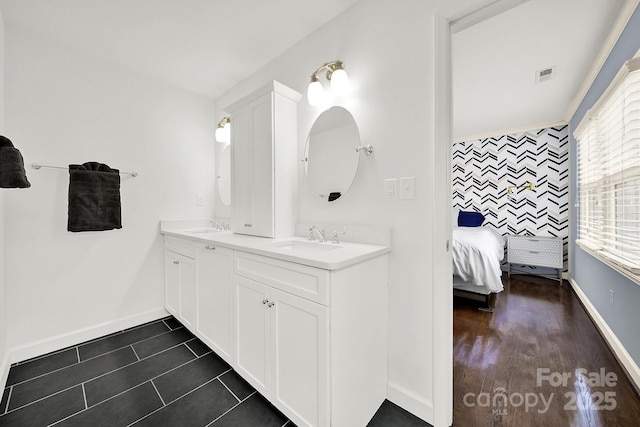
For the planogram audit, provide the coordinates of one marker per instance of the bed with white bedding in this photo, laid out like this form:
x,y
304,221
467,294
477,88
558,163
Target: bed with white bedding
x,y
477,253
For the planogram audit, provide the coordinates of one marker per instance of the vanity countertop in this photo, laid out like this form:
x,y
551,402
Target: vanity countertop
x,y
296,249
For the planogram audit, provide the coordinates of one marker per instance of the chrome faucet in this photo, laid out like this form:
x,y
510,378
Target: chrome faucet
x,y
321,232
218,225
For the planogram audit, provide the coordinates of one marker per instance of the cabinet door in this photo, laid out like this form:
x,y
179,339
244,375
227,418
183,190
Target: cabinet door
x,y
171,283
241,172
252,332
252,208
180,286
187,291
215,298
299,349
263,166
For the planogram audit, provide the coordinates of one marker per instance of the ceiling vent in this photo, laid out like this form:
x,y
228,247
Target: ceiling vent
x,y
545,74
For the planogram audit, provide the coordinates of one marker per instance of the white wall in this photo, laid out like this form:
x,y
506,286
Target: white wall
x,y
4,368
62,108
388,52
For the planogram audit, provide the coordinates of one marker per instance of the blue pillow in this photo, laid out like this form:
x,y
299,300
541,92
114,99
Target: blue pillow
x,y
470,219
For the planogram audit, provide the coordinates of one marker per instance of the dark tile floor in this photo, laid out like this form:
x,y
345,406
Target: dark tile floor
x,y
156,374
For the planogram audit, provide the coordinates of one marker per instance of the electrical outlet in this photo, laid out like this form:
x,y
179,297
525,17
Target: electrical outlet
x,y
390,188
611,297
200,200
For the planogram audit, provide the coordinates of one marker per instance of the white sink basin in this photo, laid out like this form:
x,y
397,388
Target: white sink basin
x,y
298,245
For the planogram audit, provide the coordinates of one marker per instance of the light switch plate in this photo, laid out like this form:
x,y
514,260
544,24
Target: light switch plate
x,y
408,188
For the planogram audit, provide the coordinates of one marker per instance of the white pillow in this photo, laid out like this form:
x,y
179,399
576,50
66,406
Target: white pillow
x,y
454,216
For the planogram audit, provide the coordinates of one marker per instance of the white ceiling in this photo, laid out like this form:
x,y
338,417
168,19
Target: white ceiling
x,y
208,46
203,46
494,63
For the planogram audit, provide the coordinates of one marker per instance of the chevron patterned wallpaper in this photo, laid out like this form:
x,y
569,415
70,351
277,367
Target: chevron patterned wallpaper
x,y
484,168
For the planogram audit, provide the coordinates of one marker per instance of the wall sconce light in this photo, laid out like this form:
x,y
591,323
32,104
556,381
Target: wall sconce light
x,y
528,186
335,73
223,130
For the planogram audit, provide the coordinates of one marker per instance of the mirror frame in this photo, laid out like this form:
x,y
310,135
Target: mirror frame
x,y
351,144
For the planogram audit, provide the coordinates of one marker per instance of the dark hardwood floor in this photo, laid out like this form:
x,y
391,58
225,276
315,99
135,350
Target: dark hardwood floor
x,y
538,360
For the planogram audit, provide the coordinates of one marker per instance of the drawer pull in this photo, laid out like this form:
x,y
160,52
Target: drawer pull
x,y
176,262
211,248
264,301
534,252
248,225
534,240
271,304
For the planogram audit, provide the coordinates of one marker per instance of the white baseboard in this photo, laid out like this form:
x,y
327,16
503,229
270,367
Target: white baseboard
x,y
68,339
408,400
614,343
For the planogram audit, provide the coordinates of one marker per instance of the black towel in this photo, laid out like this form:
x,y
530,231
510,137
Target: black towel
x,y
12,173
94,197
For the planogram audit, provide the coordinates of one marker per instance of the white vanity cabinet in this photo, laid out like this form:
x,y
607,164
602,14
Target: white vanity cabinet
x,y
305,325
306,341
214,302
264,161
180,279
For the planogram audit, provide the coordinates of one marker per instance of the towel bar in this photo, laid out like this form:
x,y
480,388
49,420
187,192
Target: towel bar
x,y
38,166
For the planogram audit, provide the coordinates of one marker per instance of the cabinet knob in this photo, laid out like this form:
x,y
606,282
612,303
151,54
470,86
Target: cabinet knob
x,y
271,304
211,248
176,262
264,301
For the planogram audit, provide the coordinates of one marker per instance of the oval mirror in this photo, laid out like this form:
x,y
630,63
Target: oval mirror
x,y
330,160
224,176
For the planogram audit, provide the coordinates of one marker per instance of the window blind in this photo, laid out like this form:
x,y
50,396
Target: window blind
x,y
609,172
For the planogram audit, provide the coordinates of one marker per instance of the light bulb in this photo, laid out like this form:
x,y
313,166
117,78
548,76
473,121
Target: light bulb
x,y
315,93
339,82
219,134
223,134
226,133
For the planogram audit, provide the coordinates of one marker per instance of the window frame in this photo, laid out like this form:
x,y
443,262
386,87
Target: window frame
x,y
602,173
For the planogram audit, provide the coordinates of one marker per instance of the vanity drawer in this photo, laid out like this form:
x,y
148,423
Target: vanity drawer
x,y
307,282
184,247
